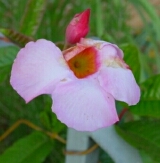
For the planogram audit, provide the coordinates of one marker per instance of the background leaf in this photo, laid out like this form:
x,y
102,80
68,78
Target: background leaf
x,y
144,135
7,55
31,149
32,17
131,57
150,98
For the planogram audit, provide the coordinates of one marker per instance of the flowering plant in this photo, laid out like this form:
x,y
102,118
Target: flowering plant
x,y
84,81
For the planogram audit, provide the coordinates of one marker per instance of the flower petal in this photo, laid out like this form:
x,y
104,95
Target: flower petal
x,y
106,49
83,105
110,50
37,67
120,83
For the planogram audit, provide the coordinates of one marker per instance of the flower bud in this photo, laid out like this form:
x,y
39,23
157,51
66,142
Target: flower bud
x,y
78,27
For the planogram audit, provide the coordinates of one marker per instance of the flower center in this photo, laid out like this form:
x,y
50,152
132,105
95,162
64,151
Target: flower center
x,y
84,63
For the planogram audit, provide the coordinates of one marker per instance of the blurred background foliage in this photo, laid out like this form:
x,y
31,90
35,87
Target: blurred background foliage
x,y
132,24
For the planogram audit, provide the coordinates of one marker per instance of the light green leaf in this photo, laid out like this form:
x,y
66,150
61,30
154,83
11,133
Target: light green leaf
x,y
31,149
33,16
131,57
144,135
99,18
7,55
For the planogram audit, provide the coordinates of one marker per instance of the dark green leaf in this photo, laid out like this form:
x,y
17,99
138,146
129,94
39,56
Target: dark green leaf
x,y
31,149
4,72
33,16
7,55
144,135
131,57
150,98
49,119
151,88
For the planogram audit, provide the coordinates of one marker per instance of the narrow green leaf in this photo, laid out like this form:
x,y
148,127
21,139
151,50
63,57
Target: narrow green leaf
x,y
144,135
131,57
99,18
7,55
31,149
145,5
33,15
15,36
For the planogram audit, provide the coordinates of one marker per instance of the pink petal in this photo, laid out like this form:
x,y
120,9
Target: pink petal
x,y
120,83
110,50
105,48
83,105
38,68
78,27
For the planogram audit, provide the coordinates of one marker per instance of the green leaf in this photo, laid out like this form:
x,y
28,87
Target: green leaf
x,y
7,55
49,119
33,15
131,57
150,98
99,18
4,72
31,149
15,36
147,10
144,135
151,88
147,108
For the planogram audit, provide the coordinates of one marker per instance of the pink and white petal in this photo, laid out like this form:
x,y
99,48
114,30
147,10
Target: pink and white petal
x,y
121,84
71,52
83,105
91,42
37,69
106,49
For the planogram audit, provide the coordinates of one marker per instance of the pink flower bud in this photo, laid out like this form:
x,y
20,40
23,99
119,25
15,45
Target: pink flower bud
x,y
78,27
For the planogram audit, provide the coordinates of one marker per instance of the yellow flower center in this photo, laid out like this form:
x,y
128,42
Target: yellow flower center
x,y
84,63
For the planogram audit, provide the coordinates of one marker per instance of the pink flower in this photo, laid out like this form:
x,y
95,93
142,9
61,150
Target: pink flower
x,y
83,81
78,27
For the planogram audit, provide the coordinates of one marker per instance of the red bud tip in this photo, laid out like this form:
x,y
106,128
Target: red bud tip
x,y
78,27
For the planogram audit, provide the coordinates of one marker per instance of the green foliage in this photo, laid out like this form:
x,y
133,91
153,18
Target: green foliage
x,y
150,98
7,55
32,17
49,119
49,19
144,8
131,56
151,88
104,157
145,5
144,135
31,149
